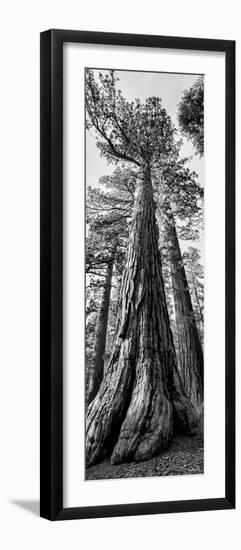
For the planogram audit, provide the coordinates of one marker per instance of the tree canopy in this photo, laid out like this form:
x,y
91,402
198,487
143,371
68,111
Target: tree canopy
x,y
191,115
135,132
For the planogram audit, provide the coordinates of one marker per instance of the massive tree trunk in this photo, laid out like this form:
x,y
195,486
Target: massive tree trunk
x,y
141,397
97,371
190,350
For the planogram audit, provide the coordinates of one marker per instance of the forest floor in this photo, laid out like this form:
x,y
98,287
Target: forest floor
x,y
185,456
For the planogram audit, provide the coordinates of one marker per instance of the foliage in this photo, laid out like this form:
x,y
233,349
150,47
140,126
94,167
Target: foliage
x,y
179,195
142,133
191,115
128,131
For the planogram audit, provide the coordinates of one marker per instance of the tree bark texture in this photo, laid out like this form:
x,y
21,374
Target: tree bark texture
x,y
113,311
97,372
141,397
199,307
190,350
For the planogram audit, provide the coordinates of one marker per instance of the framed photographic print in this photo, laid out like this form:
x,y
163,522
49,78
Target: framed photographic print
x,y
137,274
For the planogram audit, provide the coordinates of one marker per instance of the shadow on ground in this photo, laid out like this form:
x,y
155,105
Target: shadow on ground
x,y
32,506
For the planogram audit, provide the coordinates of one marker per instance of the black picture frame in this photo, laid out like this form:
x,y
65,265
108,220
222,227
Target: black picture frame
x,y
51,323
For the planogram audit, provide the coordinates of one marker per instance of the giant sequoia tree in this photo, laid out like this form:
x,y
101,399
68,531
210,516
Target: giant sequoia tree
x,y
141,398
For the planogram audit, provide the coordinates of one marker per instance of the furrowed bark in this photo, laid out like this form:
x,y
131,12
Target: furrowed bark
x,y
141,394
97,372
190,350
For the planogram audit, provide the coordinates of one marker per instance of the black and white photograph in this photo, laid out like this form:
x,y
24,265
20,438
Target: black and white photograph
x,y
119,259
144,263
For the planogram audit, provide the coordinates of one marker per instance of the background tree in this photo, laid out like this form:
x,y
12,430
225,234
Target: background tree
x,y
191,115
179,199
195,276
108,209
141,396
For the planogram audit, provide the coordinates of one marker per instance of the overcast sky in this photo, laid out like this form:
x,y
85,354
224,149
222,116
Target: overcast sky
x,y
134,84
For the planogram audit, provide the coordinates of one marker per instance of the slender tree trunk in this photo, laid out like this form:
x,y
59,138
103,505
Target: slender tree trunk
x,y
113,311
141,396
200,319
200,310
190,350
96,375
